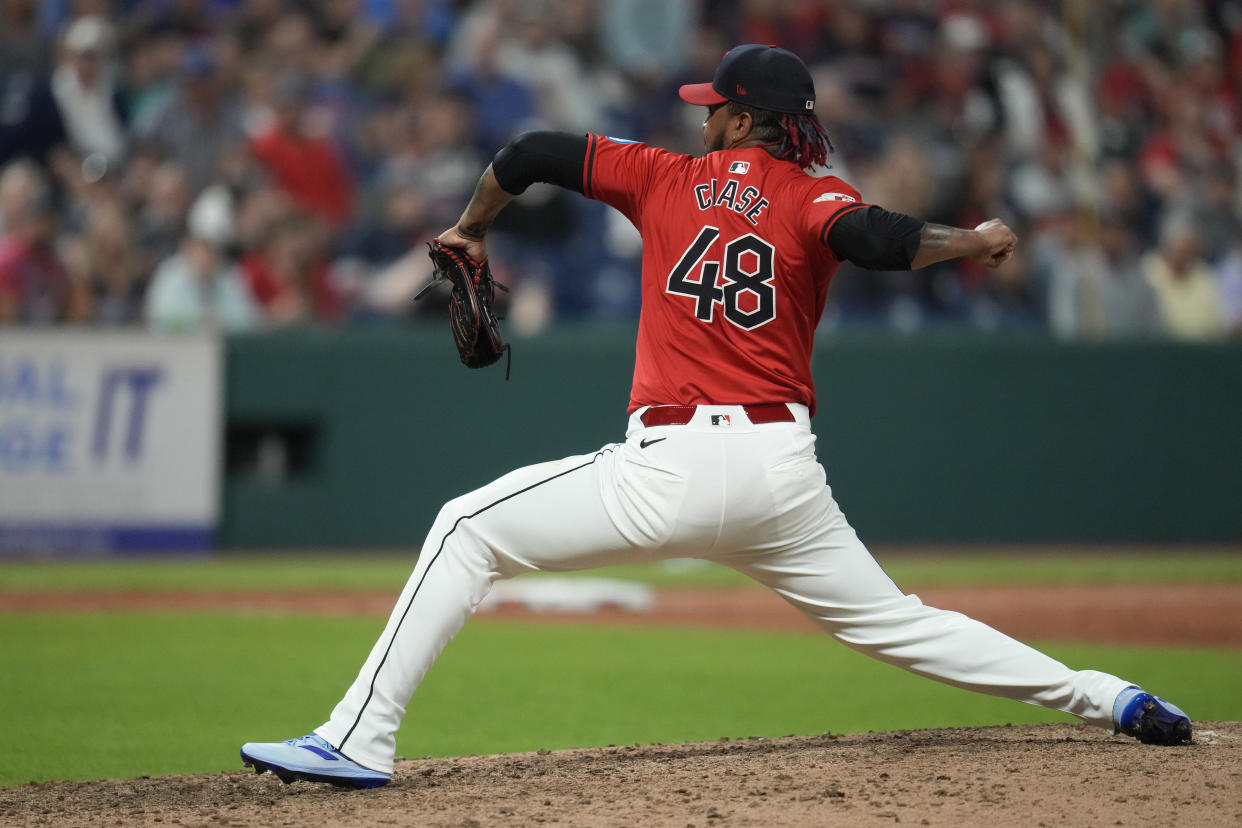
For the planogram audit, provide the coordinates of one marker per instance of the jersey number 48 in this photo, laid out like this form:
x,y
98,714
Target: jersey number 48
x,y
747,294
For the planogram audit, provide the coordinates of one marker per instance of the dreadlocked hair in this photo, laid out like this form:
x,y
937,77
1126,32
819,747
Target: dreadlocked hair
x,y
801,139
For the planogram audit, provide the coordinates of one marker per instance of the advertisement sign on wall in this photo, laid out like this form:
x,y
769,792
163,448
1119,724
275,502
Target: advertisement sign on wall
x,y
108,443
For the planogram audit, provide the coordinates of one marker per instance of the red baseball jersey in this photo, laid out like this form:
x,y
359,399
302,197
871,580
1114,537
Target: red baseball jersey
x,y
736,266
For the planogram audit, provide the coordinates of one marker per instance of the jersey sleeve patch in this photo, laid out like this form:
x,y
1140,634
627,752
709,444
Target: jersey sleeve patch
x,y
834,197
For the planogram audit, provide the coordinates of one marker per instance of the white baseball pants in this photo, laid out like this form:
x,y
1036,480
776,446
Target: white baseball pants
x,y
752,497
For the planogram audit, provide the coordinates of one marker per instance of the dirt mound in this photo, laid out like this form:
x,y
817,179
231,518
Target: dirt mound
x,y
1063,775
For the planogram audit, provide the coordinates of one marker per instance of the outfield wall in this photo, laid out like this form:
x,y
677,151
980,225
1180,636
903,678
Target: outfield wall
x,y
356,439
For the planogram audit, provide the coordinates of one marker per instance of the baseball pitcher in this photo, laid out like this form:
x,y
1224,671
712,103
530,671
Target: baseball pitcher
x,y
718,460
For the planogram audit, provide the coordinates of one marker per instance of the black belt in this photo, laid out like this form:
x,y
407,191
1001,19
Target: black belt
x,y
662,415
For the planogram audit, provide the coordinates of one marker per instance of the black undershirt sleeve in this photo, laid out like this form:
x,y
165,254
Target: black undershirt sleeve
x,y
550,157
876,239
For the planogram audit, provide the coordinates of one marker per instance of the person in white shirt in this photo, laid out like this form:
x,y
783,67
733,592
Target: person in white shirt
x,y
85,90
200,287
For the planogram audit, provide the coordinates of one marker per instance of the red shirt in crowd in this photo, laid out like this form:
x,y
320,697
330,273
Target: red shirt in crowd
x,y
309,169
32,281
270,290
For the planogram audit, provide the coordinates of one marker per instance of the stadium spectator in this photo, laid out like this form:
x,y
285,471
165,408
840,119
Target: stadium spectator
x,y
30,124
91,102
1098,290
110,265
23,49
643,39
1184,284
149,62
300,159
1229,281
566,95
35,288
162,201
200,122
1216,217
200,287
504,105
288,278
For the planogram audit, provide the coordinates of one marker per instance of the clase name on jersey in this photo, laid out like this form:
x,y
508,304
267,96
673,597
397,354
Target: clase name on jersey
x,y
749,203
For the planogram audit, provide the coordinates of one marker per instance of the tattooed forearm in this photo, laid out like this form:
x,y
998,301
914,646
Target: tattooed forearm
x,y
938,243
936,236
476,231
488,200
991,244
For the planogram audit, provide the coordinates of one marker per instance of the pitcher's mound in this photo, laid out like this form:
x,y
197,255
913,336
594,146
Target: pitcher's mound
x,y
1029,775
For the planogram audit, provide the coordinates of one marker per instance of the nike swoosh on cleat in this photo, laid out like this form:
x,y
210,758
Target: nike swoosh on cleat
x,y
642,444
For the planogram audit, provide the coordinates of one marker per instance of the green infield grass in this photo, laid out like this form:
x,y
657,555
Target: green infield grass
x,y
90,696
371,571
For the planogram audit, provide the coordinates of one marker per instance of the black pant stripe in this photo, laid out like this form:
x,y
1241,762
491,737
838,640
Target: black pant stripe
x,y
421,580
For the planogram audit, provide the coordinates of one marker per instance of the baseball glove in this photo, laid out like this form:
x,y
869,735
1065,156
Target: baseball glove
x,y
476,331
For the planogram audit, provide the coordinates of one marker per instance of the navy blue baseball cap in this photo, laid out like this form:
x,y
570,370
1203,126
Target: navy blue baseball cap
x,y
765,77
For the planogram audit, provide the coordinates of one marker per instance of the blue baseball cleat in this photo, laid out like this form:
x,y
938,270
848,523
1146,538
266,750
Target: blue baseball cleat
x,y
1151,720
312,759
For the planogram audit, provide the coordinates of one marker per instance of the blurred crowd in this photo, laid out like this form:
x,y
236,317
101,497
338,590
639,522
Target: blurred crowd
x,y
251,164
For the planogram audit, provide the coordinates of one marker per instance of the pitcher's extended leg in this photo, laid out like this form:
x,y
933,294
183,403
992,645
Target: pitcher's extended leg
x,y
552,516
831,577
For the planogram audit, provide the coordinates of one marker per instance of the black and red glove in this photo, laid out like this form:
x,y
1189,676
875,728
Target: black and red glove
x,y
472,317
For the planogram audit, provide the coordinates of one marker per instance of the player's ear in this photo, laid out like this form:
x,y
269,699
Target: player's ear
x,y
741,124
